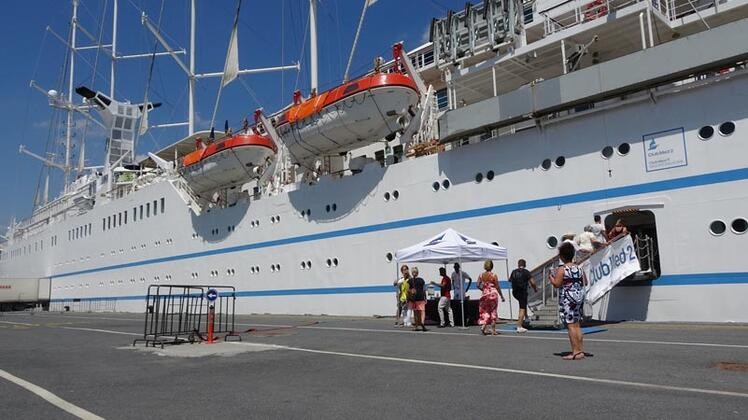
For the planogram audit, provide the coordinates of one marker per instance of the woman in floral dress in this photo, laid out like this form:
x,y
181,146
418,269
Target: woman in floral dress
x,y
488,305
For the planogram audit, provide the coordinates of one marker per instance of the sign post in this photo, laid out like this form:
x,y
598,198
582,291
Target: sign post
x,y
212,295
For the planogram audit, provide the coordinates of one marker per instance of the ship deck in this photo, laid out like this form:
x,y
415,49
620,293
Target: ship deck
x,y
333,367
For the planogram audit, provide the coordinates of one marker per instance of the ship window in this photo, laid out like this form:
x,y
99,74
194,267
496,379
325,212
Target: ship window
x,y
118,122
134,214
140,216
155,207
489,175
607,152
479,177
308,265
335,262
551,242
396,194
386,196
163,205
125,217
739,225
727,128
327,208
116,135
334,207
717,228
560,162
109,222
328,263
119,219
147,209
546,164
624,149
445,184
706,132
435,186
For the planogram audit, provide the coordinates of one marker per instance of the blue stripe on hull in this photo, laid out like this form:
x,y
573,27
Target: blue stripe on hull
x,y
701,279
658,186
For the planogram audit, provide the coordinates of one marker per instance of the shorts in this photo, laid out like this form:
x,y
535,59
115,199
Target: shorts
x,y
418,305
521,296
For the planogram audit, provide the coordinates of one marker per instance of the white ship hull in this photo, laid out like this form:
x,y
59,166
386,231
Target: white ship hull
x,y
703,276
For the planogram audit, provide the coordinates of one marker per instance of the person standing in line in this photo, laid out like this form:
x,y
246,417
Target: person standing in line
x,y
585,243
571,280
488,305
445,300
417,299
401,296
520,278
598,229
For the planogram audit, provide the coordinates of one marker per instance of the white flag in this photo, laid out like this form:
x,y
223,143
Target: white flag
x,y
231,69
144,118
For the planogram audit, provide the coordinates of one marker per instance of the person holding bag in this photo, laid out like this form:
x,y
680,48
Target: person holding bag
x,y
488,305
417,299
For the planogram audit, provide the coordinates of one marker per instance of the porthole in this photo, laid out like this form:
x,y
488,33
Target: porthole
x,y
546,164
489,175
607,152
396,194
717,228
277,218
706,132
334,207
335,262
445,184
257,269
494,243
726,128
309,265
327,208
560,162
388,257
435,186
303,265
272,268
272,219
386,196
551,242
479,177
739,225
624,149
252,223
308,212
328,263
252,270
302,214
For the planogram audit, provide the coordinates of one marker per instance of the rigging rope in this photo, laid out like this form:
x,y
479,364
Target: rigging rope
x,y
148,81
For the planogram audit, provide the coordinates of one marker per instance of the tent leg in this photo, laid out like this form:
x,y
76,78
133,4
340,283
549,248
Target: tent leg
x,y
462,295
509,293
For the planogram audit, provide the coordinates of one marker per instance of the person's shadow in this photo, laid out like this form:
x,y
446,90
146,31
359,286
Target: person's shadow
x,y
566,353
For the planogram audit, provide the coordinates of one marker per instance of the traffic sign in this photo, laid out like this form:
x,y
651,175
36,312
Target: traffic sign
x,y
212,295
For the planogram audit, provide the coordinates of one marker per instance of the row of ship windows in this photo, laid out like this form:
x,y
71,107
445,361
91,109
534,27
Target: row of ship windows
x,y
274,268
140,212
738,226
114,252
29,249
76,233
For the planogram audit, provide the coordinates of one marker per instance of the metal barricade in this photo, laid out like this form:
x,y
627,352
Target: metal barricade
x,y
180,313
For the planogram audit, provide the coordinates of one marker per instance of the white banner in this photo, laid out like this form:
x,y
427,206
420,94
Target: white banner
x,y
608,267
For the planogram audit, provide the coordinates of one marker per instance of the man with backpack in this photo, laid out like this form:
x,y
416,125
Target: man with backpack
x,y
519,278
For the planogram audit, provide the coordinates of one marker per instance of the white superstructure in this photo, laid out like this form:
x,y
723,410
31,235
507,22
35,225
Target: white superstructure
x,y
573,109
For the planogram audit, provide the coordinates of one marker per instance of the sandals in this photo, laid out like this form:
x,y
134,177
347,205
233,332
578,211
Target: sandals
x,y
574,356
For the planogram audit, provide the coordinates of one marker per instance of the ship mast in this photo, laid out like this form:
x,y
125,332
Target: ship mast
x,y
313,45
69,125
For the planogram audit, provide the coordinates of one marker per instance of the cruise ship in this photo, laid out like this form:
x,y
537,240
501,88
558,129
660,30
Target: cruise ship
x,y
516,123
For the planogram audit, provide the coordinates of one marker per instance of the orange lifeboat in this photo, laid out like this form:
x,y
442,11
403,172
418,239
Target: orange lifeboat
x,y
227,163
347,117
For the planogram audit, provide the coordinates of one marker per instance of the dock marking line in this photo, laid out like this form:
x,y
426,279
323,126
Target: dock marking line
x,y
50,397
527,337
101,331
509,370
19,323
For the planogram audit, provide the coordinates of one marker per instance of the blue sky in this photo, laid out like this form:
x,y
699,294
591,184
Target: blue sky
x,y
270,33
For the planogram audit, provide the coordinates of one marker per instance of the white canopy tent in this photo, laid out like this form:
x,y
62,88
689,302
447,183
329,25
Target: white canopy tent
x,y
448,247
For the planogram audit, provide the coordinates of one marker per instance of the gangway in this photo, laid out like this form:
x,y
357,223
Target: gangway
x,y
544,302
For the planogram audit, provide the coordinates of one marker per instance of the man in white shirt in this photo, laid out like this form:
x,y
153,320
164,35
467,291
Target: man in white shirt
x,y
598,229
456,283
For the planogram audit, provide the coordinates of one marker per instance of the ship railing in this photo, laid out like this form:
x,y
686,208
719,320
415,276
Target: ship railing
x,y
646,251
570,14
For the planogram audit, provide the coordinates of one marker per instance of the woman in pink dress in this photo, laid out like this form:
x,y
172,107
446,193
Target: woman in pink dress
x,y
488,305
